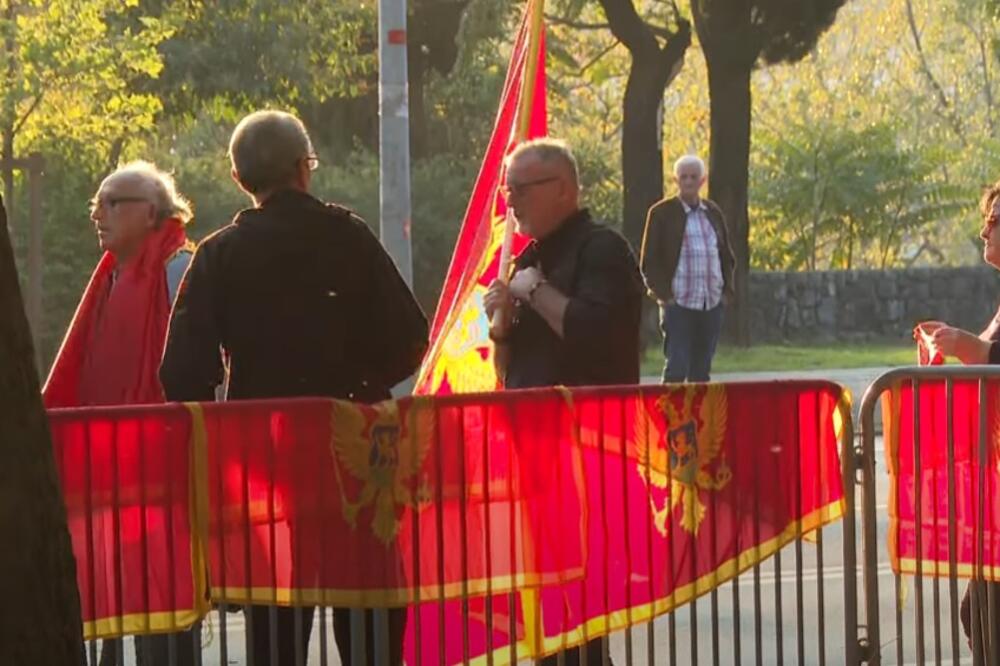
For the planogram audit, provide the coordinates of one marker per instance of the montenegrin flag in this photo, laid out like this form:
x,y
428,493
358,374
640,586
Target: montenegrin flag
x,y
682,489
460,359
513,524
944,477
128,490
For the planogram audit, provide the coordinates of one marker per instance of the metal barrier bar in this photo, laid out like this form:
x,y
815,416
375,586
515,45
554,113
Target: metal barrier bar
x,y
757,596
799,602
981,640
714,594
990,636
918,491
952,518
850,461
371,638
628,546
737,620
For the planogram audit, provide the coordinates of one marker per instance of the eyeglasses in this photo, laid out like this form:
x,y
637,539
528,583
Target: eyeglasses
x,y
512,189
312,161
112,202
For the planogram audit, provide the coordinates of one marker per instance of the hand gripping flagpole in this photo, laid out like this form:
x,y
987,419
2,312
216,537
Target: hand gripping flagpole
x,y
523,125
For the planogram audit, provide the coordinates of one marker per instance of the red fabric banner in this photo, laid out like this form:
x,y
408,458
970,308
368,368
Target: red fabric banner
x,y
553,515
460,358
924,504
321,502
126,484
686,487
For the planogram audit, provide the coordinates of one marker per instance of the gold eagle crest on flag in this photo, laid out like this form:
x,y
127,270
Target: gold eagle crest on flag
x,y
685,457
385,453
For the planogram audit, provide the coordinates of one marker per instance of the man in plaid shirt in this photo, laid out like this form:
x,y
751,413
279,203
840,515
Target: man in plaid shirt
x,y
687,263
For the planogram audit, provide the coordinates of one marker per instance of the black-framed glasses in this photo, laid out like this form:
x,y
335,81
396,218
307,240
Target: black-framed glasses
x,y
512,189
112,202
312,161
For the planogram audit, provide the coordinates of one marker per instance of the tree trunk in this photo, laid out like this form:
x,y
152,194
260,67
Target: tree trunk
x,y
728,175
652,69
40,618
731,44
642,153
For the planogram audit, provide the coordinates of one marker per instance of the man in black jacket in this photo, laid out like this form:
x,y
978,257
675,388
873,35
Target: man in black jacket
x,y
571,311
301,300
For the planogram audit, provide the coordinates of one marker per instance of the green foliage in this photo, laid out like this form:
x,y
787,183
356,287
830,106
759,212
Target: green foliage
x,y
857,159
74,76
830,196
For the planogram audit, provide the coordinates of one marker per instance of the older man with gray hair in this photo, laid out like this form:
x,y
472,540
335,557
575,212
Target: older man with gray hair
x,y
302,300
570,313
114,343
688,266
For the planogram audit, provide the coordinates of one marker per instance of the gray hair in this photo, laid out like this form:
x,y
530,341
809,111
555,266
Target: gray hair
x,y
160,186
689,160
265,148
547,150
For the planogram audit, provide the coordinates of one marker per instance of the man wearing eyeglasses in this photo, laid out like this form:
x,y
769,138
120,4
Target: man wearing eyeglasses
x,y
113,347
571,310
302,300
112,350
570,313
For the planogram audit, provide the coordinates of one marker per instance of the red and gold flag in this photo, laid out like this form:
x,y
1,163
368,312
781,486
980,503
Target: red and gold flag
x,y
127,488
460,359
926,507
320,502
515,524
685,488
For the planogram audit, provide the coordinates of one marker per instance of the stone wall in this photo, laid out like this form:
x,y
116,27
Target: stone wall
x,y
849,306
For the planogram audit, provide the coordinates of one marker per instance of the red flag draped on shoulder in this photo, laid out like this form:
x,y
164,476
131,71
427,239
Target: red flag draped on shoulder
x,y
461,354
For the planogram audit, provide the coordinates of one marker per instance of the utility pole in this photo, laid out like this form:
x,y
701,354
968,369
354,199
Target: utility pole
x,y
394,136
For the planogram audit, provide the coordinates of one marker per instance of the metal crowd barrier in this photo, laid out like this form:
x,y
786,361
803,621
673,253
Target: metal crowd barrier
x,y
800,606
915,619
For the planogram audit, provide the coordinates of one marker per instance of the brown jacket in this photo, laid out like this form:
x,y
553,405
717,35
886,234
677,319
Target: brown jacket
x,y
661,247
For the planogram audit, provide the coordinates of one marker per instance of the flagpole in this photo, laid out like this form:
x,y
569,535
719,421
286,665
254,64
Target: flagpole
x,y
523,126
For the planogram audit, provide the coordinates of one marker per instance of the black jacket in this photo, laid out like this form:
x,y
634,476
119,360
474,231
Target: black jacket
x,y
594,267
302,300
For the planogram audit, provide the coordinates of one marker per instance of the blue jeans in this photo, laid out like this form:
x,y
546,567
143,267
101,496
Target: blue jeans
x,y
689,340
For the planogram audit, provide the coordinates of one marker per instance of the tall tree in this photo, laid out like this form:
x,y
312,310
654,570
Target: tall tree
x,y
40,623
657,53
735,36
68,71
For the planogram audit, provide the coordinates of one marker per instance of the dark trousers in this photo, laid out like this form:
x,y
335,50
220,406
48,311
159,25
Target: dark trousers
x,y
260,617
596,649
154,650
689,341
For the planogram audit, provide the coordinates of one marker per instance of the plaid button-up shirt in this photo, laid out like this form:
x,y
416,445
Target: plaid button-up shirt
x,y
697,282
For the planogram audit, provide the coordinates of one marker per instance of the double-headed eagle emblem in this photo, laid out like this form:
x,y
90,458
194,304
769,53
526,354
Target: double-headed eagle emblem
x,y
684,458
385,453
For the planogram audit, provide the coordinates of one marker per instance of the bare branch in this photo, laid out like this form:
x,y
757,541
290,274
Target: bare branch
x,y
593,61
576,25
943,102
31,109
